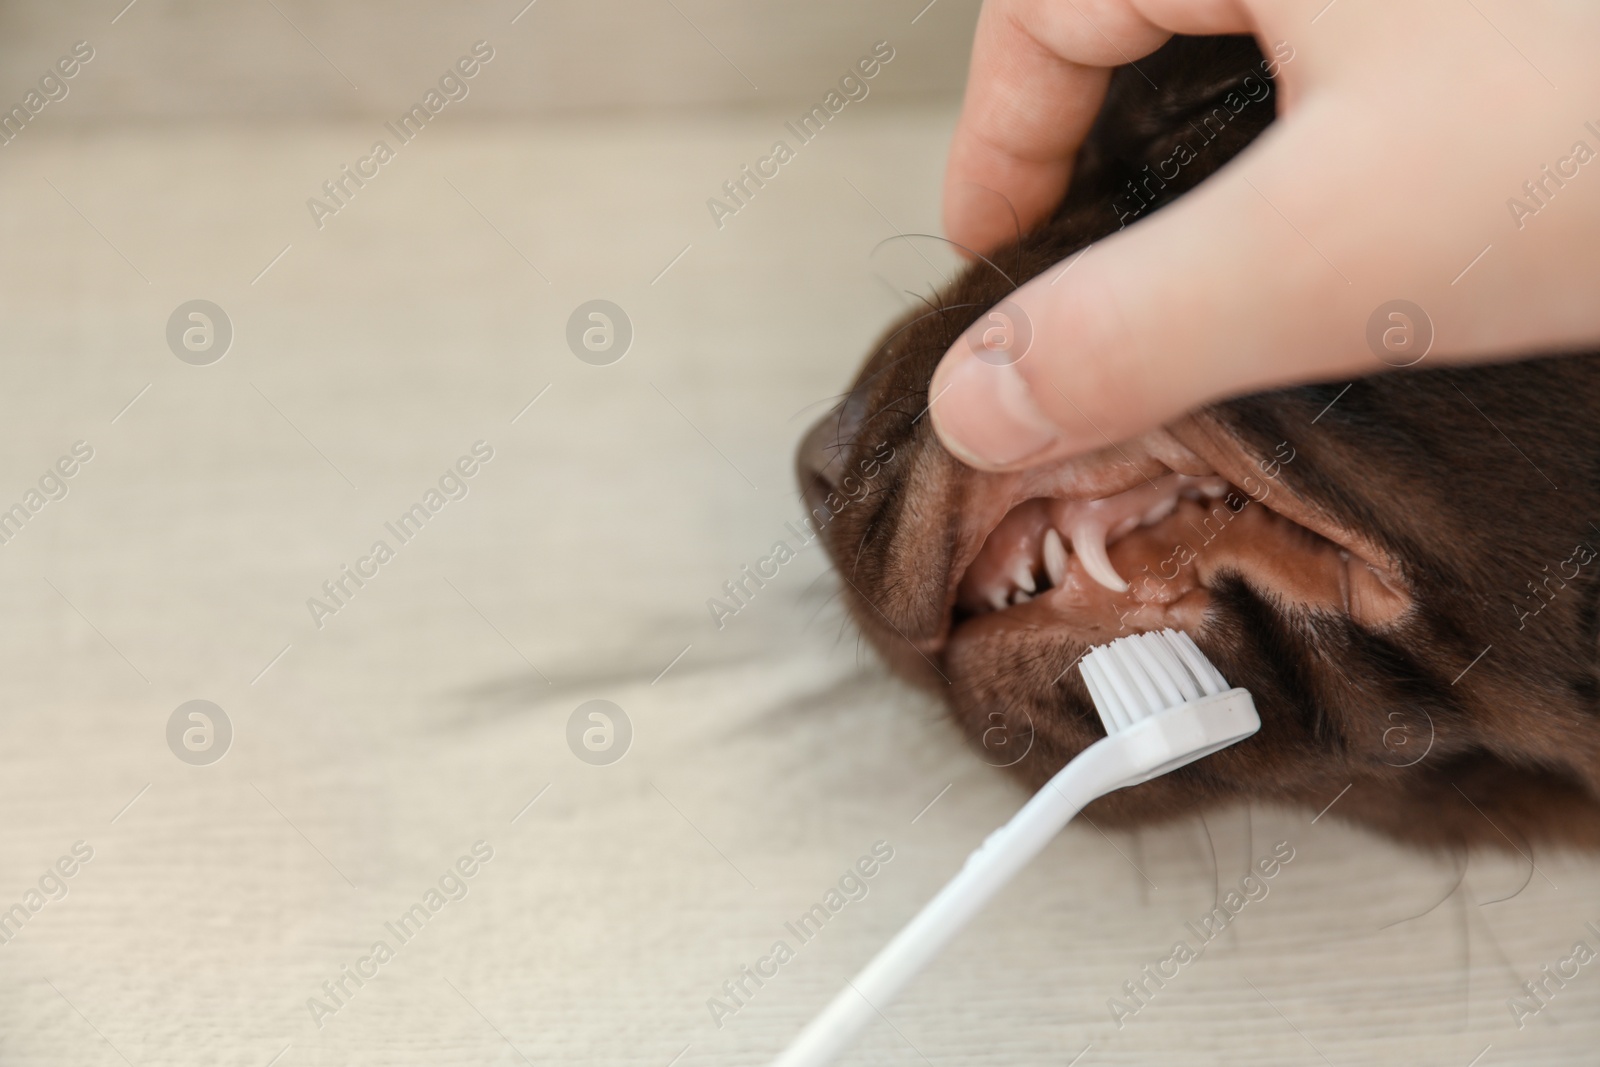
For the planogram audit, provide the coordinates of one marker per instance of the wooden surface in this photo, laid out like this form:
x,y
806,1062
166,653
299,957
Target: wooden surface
x,y
429,711
181,59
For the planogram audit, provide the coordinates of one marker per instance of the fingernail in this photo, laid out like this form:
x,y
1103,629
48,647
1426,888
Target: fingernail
x,y
985,414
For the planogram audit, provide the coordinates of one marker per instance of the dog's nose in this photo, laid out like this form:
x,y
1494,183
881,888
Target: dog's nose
x,y
820,461
824,456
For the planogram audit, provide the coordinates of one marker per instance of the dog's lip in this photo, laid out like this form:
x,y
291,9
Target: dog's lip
x,y
1208,438
1198,446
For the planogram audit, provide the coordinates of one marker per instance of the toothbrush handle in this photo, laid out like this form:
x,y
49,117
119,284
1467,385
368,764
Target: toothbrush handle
x,y
989,867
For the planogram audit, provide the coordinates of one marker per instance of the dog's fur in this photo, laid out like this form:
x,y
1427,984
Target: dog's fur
x,y
1450,473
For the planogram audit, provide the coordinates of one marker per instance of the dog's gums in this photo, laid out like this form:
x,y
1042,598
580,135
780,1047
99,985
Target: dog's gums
x,y
1359,555
1036,536
1144,557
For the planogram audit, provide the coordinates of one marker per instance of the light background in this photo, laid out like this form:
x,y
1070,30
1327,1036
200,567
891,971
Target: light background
x,y
428,712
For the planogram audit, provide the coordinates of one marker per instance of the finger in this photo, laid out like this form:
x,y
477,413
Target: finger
x,y
1217,295
1038,76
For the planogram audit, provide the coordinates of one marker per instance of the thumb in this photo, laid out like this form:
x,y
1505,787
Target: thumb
x,y
1224,292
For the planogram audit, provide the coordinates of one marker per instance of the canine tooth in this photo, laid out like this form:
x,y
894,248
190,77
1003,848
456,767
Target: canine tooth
x,y
997,598
1022,574
1089,542
1055,557
1020,597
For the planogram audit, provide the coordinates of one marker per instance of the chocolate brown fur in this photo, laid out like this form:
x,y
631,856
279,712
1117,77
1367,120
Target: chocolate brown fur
x,y
1452,472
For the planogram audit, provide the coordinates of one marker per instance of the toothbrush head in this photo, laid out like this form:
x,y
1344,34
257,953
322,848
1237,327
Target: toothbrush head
x,y
1163,703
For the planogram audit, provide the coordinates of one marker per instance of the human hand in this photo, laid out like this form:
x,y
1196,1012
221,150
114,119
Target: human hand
x,y
1442,154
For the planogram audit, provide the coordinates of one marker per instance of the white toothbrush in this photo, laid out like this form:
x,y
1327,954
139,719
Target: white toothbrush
x,y
1163,705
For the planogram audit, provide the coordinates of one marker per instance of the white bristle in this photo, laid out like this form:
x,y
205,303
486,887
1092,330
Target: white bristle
x,y
1137,676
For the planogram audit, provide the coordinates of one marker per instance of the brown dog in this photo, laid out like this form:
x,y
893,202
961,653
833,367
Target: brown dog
x,y
1399,569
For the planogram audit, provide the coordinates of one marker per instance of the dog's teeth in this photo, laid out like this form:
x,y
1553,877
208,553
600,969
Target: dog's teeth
x,y
1020,597
997,598
1022,575
1055,557
1089,542
1160,511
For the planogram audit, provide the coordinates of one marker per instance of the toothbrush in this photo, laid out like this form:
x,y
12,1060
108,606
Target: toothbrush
x,y
1162,704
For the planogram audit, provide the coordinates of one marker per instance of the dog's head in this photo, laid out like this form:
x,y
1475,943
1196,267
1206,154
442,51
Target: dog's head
x,y
1401,569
